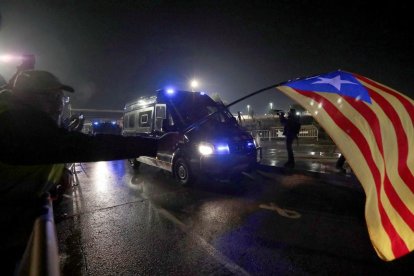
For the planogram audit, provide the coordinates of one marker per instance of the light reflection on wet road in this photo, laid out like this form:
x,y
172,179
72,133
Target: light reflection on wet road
x,y
119,221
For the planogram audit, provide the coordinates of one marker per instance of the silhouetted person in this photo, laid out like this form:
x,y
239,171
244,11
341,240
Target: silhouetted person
x,y
291,129
34,149
340,163
239,117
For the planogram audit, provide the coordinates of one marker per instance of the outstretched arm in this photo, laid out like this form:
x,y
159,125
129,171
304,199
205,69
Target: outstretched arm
x,y
29,138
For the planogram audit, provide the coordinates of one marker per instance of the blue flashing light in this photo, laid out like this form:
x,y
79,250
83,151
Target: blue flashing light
x,y
202,93
170,91
113,122
222,148
96,123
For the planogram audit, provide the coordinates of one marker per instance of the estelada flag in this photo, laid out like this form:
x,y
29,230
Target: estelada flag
x,y
372,125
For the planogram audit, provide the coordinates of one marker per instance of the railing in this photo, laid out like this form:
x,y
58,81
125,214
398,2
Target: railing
x,y
308,131
74,174
41,255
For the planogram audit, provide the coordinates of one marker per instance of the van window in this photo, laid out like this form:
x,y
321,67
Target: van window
x,y
144,122
160,111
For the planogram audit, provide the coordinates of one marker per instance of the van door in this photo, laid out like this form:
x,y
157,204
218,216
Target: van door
x,y
160,116
164,159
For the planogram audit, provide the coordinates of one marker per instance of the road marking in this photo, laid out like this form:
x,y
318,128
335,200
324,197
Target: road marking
x,y
226,262
283,212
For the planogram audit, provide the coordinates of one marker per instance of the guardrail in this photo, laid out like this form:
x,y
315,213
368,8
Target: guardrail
x,y
308,131
41,256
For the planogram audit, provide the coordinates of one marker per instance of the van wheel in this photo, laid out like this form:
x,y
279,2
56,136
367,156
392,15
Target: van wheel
x,y
182,172
134,163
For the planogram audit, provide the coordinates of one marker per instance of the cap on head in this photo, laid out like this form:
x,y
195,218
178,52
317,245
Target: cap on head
x,y
37,80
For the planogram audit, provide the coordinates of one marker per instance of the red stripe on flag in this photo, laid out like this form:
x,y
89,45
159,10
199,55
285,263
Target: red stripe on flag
x,y
406,103
370,117
395,200
403,169
398,245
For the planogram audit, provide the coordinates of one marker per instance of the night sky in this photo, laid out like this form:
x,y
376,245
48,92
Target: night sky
x,y
115,52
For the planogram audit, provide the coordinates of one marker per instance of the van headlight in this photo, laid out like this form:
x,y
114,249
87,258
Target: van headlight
x,y
208,148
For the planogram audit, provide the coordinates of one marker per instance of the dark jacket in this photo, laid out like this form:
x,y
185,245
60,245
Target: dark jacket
x,y
29,136
291,125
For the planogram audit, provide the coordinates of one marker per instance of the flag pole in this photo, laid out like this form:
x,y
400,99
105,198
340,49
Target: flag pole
x,y
269,87
190,127
255,93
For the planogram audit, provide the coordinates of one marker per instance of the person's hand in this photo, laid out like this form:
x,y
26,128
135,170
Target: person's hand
x,y
169,141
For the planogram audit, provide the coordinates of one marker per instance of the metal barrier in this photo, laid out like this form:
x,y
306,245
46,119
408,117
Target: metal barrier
x,y
41,256
308,131
72,168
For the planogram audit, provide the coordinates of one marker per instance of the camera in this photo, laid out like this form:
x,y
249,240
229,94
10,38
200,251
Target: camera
x,y
280,112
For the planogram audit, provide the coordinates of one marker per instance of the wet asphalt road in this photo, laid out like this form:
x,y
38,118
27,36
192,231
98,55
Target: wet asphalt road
x,y
118,221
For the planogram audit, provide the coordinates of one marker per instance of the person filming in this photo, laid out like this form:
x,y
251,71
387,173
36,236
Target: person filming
x,y
291,127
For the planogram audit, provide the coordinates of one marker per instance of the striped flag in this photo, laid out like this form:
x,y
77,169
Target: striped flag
x,y
372,125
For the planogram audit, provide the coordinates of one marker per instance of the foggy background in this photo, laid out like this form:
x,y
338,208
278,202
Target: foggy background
x,y
116,51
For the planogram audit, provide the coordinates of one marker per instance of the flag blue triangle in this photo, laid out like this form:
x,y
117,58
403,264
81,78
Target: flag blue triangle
x,y
338,82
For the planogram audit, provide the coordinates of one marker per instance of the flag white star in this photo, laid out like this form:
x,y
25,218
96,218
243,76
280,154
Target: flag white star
x,y
335,82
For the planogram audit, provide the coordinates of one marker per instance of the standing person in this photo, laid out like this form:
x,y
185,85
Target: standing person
x,y
340,163
291,129
34,149
239,117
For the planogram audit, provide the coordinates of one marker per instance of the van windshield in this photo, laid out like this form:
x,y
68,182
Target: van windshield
x,y
193,108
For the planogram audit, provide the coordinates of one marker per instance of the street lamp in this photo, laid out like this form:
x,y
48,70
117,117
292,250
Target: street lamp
x,y
248,110
193,84
271,106
9,58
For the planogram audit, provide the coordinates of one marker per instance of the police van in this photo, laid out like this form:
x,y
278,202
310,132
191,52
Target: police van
x,y
214,143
